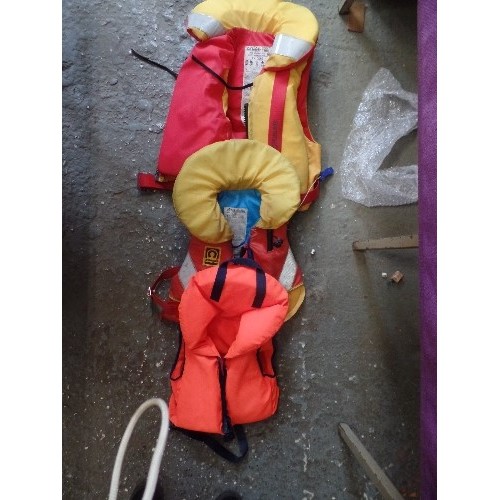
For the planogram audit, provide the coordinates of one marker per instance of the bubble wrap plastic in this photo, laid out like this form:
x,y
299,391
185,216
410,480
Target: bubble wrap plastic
x,y
386,113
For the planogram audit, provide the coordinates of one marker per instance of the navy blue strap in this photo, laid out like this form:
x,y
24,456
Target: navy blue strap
x,y
218,447
220,279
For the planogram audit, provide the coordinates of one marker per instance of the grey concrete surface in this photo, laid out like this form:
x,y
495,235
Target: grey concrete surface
x,y
351,353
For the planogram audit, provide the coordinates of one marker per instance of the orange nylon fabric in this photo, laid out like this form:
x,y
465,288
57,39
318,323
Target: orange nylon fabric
x,y
231,332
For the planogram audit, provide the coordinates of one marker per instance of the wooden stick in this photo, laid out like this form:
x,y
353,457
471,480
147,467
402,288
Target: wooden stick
x,y
407,241
376,474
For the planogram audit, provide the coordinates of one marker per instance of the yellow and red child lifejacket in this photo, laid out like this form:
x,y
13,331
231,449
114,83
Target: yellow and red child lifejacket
x,y
239,165
223,375
247,77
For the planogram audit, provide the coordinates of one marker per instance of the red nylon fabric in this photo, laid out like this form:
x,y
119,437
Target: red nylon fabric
x,y
275,134
273,261
196,115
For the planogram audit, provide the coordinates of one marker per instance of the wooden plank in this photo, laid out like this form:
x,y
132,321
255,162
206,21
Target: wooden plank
x,y
345,6
375,473
356,17
407,241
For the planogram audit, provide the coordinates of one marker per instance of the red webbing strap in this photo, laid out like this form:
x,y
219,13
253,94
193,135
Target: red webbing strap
x,y
168,309
277,111
148,181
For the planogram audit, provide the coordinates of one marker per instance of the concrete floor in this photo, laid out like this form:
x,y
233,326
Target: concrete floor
x,y
351,353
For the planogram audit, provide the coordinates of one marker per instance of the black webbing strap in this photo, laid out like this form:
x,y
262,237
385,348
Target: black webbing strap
x,y
153,63
220,279
215,75
197,61
218,447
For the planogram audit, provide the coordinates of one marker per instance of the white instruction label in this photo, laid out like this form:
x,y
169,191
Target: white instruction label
x,y
237,219
255,58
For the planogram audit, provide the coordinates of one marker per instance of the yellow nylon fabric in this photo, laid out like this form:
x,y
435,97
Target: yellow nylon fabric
x,y
295,298
232,165
305,155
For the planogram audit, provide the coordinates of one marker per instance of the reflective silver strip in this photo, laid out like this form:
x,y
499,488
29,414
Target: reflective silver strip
x,y
289,46
289,271
186,271
207,24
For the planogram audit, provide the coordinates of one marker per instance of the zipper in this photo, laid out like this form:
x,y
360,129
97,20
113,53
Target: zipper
x,y
245,117
227,428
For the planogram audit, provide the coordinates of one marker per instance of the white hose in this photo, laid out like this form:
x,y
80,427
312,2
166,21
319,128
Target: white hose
x,y
154,468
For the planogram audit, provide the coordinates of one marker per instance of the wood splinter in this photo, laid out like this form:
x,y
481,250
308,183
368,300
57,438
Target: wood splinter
x,y
397,277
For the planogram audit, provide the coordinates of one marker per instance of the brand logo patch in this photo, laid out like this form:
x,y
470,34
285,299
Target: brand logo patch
x,y
211,256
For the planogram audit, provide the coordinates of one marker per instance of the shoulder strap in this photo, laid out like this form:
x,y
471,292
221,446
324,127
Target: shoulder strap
x,y
220,279
146,180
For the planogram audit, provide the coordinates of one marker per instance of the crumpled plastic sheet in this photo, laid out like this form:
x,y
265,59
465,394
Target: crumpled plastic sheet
x,y
386,113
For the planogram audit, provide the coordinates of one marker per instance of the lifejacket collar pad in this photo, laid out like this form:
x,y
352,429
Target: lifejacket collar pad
x,y
236,164
294,26
230,327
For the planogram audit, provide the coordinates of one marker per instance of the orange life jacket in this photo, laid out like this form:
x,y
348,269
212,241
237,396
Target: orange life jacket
x,y
223,375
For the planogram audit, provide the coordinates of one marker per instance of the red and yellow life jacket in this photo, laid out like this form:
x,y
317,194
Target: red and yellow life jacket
x,y
266,45
237,164
223,375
